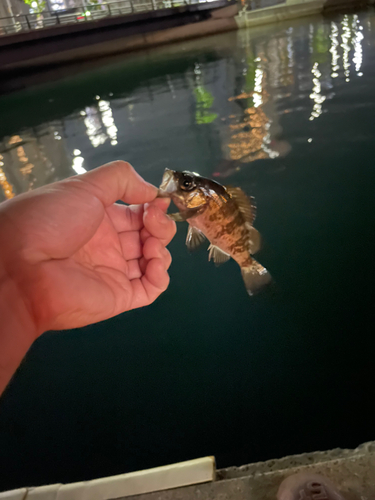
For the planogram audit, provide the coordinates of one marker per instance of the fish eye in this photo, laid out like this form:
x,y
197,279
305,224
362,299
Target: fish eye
x,y
187,184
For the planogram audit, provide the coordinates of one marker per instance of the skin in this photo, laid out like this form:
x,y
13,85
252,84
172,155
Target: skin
x,y
224,227
70,256
215,211
217,216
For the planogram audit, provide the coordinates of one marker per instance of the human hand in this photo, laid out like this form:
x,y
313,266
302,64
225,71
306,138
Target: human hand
x,y
76,257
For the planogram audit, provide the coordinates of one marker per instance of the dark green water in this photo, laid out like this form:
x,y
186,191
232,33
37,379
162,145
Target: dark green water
x,y
206,370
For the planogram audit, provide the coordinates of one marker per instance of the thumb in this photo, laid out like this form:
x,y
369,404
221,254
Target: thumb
x,y
116,181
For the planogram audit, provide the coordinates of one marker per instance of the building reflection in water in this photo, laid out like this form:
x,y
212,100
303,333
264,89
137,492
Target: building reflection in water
x,y
5,185
350,33
253,129
33,158
41,155
259,74
204,99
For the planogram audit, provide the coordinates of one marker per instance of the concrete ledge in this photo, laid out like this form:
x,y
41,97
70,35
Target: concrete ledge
x,y
196,471
352,471
128,44
289,10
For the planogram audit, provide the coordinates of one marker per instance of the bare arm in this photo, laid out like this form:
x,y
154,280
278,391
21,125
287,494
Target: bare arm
x,y
71,256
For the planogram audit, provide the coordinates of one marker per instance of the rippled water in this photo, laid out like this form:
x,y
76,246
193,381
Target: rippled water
x,y
287,113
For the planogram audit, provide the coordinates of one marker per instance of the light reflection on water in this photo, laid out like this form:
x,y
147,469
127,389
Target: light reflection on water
x,y
238,98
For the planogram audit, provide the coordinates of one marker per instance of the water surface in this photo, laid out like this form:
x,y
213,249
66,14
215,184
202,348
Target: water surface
x,y
287,113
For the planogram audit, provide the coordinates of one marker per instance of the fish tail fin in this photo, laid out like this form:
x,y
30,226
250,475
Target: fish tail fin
x,y
255,277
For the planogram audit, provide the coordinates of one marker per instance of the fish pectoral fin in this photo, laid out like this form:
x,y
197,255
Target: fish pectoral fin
x,y
255,277
185,214
255,240
194,238
218,256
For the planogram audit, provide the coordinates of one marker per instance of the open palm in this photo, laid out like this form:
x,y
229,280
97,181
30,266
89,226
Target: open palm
x,y
78,257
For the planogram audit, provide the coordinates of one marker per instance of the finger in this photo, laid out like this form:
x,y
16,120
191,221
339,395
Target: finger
x,y
142,265
129,218
154,282
131,244
158,224
156,278
145,234
115,181
162,203
153,249
125,218
134,270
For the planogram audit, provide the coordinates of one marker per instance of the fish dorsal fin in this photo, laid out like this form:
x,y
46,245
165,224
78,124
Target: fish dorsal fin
x,y
194,238
246,204
218,256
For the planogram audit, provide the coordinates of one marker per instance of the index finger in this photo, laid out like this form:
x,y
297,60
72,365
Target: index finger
x,y
116,181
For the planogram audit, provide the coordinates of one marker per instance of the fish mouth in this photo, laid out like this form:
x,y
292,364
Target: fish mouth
x,y
168,184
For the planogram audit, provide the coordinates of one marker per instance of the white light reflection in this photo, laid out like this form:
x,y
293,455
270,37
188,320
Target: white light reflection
x,y
357,42
266,141
345,37
77,165
333,50
258,85
316,93
108,121
94,127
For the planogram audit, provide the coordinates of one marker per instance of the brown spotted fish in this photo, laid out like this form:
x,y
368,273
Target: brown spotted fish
x,y
224,215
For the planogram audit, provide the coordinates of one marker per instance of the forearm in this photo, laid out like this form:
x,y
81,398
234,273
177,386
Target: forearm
x,y
17,331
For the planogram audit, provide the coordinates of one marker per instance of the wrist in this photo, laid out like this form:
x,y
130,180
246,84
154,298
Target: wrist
x,y
17,329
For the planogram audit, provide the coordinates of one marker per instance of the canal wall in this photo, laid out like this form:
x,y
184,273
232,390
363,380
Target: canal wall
x,y
61,45
114,35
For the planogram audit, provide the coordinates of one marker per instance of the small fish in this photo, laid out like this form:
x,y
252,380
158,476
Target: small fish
x,y
224,215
